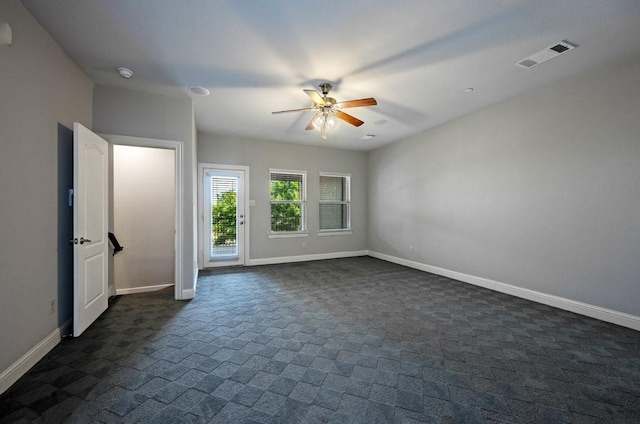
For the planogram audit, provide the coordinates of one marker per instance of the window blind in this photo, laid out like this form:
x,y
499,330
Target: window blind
x,y
334,202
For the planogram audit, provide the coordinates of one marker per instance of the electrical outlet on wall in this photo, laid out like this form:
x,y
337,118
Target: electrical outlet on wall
x,y
52,306
410,249
304,244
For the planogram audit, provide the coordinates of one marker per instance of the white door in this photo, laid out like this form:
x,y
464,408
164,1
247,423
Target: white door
x,y
224,217
90,212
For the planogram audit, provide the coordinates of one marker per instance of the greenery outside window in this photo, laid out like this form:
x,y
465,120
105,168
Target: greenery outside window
x,y
288,196
223,211
335,199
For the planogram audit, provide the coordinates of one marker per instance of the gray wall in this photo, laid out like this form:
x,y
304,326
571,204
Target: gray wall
x,y
260,156
39,88
541,191
137,114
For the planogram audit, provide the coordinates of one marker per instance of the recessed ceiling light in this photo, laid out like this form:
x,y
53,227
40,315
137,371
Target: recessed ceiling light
x,y
468,90
125,72
367,137
199,91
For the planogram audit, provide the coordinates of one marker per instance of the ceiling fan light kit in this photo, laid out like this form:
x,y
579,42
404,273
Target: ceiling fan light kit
x,y
327,109
324,122
323,118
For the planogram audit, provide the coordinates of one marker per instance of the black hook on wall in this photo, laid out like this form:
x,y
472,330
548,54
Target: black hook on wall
x,y
116,245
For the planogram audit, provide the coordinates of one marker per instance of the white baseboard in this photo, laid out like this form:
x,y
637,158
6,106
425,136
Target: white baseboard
x,y
144,289
597,312
304,258
29,359
188,294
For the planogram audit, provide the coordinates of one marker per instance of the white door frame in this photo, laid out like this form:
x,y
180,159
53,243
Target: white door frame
x,y
247,208
177,147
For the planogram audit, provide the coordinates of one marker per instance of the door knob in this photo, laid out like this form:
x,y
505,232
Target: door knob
x,y
73,241
241,222
84,240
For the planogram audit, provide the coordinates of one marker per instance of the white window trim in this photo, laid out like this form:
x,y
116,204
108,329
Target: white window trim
x,y
303,202
322,233
288,234
336,231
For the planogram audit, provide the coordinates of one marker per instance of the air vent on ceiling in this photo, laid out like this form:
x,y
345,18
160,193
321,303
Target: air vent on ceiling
x,y
545,54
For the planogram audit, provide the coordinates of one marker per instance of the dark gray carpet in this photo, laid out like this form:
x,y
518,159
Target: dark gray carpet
x,y
339,341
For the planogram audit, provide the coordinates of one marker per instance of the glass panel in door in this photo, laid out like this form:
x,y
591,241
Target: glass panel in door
x,y
224,218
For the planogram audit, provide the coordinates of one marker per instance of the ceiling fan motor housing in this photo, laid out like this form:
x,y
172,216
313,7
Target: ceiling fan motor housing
x,y
325,87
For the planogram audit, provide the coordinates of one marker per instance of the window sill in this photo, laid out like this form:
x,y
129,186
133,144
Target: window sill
x,y
287,235
334,233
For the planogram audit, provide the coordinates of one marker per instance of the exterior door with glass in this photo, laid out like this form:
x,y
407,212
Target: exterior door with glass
x,y
224,216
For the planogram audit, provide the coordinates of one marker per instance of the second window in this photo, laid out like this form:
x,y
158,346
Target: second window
x,y
335,202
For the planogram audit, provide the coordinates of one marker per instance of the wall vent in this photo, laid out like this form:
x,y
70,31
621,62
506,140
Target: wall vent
x,y
545,55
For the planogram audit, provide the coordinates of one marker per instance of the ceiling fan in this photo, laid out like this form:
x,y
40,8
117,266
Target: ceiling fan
x,y
327,108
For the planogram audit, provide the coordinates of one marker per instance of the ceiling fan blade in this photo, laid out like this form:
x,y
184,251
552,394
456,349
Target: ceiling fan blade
x,y
348,118
357,103
306,109
310,124
315,96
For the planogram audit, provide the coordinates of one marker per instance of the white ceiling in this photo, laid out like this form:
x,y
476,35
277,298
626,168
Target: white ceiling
x,y
415,57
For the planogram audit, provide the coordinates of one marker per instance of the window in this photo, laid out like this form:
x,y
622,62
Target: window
x,y
334,202
288,201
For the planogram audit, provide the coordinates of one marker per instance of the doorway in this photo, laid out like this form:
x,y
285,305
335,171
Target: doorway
x,y
223,196
143,218
176,225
